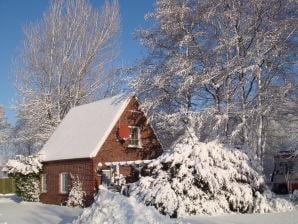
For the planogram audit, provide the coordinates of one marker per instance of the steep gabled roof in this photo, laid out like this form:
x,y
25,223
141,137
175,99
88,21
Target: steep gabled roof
x,y
84,129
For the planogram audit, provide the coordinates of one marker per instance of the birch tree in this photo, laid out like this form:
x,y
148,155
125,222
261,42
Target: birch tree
x,y
221,59
65,61
255,47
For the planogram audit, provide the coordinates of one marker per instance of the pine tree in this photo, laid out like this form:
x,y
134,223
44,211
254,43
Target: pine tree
x,y
76,194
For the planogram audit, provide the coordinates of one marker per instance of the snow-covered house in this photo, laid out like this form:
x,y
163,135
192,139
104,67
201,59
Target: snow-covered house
x,y
94,142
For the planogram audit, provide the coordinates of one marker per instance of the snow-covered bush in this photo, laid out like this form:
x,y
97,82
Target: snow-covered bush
x,y
111,207
294,196
267,202
201,178
76,194
25,170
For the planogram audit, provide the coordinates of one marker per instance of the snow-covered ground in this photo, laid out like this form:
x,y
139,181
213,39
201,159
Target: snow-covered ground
x,y
272,218
12,211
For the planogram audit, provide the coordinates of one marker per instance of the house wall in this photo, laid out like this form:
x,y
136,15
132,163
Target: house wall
x,y
83,168
112,150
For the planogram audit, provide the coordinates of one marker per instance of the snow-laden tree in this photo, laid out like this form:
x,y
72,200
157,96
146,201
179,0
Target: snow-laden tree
x,y
205,178
25,170
222,59
5,139
282,124
4,127
64,61
76,195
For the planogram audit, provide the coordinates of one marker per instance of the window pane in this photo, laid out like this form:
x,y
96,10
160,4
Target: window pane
x,y
44,183
135,140
64,182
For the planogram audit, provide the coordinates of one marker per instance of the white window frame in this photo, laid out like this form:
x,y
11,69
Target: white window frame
x,y
138,140
44,183
64,182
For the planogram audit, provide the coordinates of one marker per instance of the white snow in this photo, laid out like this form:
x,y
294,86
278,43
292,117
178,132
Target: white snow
x,y
205,178
84,129
272,218
76,194
23,164
25,170
110,207
126,163
12,211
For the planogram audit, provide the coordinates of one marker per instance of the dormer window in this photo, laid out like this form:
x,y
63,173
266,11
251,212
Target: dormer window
x,y
134,140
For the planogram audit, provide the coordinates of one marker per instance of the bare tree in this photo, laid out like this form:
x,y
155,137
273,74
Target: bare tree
x,y
65,61
254,48
222,59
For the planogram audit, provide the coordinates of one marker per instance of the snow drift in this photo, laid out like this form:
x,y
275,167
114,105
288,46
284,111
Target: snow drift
x,y
204,178
110,207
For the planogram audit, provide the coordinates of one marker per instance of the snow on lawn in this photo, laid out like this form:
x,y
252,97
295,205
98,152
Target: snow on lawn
x,y
13,211
272,218
112,208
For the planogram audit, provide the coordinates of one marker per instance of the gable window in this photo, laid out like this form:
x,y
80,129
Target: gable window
x,y
134,140
44,183
64,181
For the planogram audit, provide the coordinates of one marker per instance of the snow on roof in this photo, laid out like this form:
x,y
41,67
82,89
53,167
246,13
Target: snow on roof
x,y
84,129
127,163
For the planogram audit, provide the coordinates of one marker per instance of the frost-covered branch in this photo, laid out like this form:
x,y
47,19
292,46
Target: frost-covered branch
x,y
65,61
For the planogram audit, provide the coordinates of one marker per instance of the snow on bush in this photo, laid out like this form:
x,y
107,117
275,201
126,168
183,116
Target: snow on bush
x,y
266,202
111,207
295,195
25,170
202,178
76,194
23,165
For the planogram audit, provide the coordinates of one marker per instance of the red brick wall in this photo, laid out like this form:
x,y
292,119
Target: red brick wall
x,y
111,151
81,167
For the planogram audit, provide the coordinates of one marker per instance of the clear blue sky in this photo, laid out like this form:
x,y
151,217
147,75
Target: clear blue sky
x,y
14,14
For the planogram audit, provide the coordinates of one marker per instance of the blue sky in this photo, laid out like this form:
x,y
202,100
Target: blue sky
x,y
14,14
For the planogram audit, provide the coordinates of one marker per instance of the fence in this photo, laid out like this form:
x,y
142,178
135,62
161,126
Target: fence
x,y
7,185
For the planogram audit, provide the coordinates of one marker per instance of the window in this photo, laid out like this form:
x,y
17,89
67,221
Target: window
x,y
64,181
44,183
106,177
134,140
